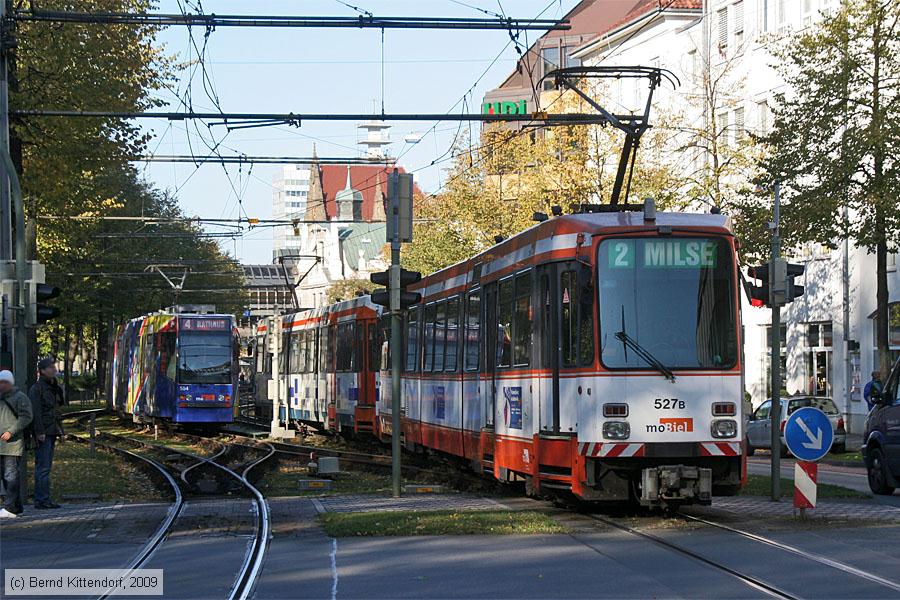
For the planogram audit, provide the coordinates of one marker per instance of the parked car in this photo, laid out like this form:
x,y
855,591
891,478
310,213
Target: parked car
x,y
759,426
881,447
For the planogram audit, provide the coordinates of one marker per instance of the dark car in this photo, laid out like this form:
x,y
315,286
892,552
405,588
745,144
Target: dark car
x,y
881,450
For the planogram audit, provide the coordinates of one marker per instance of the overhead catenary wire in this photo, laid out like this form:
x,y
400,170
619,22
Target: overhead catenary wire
x,y
311,21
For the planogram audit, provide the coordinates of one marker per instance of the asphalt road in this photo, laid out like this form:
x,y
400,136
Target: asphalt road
x,y
848,477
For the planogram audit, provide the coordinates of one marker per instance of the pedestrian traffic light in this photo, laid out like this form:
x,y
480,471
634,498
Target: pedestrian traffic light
x,y
383,297
43,312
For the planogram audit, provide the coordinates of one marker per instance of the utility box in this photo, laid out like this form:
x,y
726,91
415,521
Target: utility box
x,y
308,485
329,465
400,198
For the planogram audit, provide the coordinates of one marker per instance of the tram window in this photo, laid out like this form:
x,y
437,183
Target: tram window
x,y
375,340
522,329
547,352
345,346
384,351
329,349
585,318
295,351
284,355
473,333
569,324
325,345
358,354
428,358
505,323
167,362
412,340
313,350
440,336
450,358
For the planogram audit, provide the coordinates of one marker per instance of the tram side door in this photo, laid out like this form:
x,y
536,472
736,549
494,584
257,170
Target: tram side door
x,y
548,330
491,326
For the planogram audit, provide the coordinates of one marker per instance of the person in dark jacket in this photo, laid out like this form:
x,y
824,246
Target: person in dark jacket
x,y
46,398
15,417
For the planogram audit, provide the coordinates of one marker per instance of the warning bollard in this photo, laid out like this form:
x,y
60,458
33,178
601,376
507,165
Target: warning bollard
x,y
805,477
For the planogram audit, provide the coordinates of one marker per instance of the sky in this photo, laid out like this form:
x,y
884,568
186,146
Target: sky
x,y
323,71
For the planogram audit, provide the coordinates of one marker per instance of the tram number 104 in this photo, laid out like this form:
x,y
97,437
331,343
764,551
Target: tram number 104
x,y
668,404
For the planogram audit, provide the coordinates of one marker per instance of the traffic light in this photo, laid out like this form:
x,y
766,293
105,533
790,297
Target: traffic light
x,y
382,297
777,286
759,294
43,312
793,290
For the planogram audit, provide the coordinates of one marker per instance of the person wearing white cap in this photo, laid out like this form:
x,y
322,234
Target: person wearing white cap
x,y
15,417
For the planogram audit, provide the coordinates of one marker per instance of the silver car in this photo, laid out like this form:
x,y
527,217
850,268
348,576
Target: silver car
x,y
759,426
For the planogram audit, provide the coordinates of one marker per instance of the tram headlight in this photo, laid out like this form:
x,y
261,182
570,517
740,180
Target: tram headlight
x,y
616,430
723,428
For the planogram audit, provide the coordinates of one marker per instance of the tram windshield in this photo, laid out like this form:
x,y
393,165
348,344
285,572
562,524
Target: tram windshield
x,y
673,296
205,356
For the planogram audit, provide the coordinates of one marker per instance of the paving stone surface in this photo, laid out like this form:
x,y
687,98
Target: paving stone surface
x,y
377,503
111,523
834,509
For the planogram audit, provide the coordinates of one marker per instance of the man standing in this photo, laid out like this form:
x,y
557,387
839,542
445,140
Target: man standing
x,y
872,389
15,417
46,398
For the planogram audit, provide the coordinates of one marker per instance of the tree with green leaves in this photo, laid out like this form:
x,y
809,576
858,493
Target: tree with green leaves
x,y
836,139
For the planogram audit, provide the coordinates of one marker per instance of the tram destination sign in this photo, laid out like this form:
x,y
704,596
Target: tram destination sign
x,y
206,324
690,253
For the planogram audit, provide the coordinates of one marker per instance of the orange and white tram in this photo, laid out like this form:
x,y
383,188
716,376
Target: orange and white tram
x,y
597,354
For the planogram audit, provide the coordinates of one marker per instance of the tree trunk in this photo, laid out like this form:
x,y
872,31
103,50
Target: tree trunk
x,y
882,316
101,353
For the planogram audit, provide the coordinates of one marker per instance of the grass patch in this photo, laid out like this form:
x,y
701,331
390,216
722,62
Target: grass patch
x,y
283,482
761,485
444,522
845,456
110,477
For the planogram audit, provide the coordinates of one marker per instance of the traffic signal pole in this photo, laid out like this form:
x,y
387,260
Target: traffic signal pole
x,y
396,337
775,413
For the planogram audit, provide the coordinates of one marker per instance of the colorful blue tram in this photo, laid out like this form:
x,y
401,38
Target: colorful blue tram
x,y
176,366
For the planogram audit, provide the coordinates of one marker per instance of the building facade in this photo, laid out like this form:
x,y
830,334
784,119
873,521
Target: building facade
x,y
290,190
828,334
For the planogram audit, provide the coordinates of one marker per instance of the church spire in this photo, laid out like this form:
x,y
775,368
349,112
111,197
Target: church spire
x,y
315,198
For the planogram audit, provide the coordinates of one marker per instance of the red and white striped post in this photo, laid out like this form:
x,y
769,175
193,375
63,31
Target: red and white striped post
x,y
805,486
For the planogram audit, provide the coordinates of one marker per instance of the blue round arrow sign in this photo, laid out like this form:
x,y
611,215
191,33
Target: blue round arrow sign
x,y
808,434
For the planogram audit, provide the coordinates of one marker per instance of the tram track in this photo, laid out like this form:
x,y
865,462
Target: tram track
x,y
748,580
186,469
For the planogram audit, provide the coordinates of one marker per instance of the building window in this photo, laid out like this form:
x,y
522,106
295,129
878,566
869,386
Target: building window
x,y
764,16
762,119
818,358
783,16
571,61
550,61
723,31
738,124
738,24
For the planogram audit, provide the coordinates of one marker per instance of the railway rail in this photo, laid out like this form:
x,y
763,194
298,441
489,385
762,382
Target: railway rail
x,y
187,474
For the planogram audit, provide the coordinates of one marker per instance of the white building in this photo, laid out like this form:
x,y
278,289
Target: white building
x,y
291,189
828,341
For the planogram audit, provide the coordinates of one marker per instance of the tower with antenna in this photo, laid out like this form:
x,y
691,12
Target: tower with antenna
x,y
375,136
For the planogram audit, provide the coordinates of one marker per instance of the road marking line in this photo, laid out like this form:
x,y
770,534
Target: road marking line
x,y
334,573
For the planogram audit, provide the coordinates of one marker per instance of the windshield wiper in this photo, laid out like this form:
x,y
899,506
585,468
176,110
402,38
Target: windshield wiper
x,y
651,360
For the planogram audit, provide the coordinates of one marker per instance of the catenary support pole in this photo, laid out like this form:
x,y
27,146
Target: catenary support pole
x,y
775,413
396,338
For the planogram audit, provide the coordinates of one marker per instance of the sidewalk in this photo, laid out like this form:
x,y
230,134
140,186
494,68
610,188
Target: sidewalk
x,y
78,535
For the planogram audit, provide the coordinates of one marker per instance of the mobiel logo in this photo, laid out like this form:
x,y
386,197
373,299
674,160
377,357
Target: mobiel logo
x,y
672,425
505,108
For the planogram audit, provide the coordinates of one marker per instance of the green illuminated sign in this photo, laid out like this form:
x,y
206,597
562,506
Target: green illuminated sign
x,y
505,108
666,254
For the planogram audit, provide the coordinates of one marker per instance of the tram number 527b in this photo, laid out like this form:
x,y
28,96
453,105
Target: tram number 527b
x,y
668,404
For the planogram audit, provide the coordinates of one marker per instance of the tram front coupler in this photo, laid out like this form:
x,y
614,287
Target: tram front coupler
x,y
675,484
